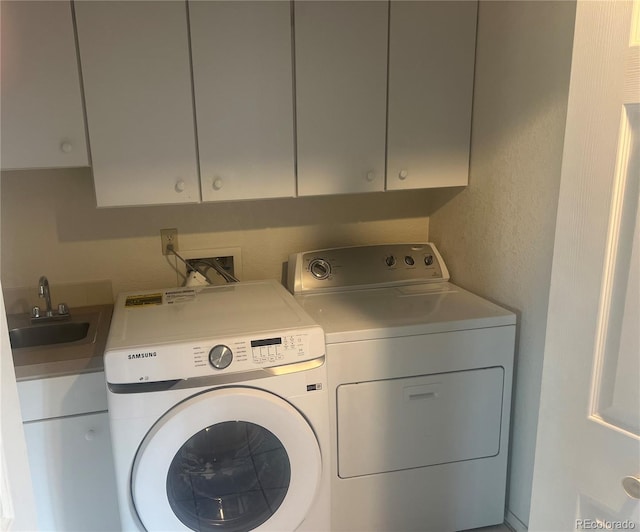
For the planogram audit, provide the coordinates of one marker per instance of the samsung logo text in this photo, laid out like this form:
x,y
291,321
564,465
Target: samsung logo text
x,y
142,355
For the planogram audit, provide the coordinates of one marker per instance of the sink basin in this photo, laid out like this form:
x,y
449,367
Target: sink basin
x,y
49,334
66,347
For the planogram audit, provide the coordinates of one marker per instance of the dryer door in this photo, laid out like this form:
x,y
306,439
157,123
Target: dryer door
x,y
230,460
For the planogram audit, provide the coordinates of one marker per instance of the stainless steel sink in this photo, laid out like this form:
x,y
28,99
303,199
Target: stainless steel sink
x,y
59,347
48,334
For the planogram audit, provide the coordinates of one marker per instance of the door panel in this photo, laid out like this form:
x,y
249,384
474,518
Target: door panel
x,y
341,80
428,420
72,473
243,86
137,80
616,387
42,116
431,64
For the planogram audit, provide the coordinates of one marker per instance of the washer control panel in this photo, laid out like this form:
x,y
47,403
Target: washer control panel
x,y
216,356
242,354
365,267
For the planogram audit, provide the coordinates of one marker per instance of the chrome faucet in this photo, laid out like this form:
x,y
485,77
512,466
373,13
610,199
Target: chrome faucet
x,y
43,292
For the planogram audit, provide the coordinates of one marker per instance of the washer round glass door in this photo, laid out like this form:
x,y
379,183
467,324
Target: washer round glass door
x,y
229,460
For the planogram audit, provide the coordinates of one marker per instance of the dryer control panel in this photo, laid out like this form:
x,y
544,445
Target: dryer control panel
x,y
365,267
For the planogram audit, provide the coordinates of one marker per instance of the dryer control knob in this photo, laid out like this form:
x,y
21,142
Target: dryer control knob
x,y
220,356
320,268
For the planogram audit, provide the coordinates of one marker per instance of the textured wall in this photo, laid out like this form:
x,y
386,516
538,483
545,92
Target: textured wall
x,y
50,226
497,234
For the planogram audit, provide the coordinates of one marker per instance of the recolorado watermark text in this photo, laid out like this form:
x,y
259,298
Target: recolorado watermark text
x,y
601,524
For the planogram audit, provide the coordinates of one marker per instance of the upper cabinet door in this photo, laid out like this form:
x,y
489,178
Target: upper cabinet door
x,y
137,79
341,90
243,84
42,116
431,67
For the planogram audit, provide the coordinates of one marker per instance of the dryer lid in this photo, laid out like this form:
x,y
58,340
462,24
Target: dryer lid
x,y
401,311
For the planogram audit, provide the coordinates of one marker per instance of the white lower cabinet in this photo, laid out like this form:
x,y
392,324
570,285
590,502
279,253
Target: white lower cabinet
x,y
70,453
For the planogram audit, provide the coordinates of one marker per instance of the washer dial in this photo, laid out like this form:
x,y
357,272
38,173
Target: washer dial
x,y
320,268
220,356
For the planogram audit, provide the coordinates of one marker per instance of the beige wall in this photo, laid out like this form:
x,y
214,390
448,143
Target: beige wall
x,y
50,226
497,234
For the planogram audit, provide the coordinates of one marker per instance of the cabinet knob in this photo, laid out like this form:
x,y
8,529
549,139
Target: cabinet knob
x,y
371,176
180,186
90,435
403,174
217,183
66,147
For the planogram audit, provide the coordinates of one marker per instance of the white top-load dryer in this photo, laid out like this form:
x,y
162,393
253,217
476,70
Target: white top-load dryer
x,y
420,375
218,410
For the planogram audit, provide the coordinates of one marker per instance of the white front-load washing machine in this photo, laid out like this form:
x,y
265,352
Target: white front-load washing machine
x,y
420,375
218,410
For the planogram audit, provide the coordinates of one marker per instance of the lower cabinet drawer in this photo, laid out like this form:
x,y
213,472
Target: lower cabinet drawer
x,y
62,396
72,473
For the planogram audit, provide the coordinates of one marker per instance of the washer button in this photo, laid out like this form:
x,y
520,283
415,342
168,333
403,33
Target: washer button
x,y
409,260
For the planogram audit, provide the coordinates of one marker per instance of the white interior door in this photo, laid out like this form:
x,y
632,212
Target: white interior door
x,y
587,465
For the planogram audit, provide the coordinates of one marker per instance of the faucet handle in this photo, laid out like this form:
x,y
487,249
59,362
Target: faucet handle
x,y
35,312
63,309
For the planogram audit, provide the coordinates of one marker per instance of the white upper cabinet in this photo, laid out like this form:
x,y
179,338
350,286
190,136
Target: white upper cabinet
x,y
137,78
243,85
431,69
42,116
341,82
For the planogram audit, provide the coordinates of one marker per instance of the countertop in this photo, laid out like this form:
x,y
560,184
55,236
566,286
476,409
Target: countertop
x,y
69,358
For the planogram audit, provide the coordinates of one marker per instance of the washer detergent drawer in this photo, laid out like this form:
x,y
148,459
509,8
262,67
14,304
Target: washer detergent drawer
x,y
405,423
